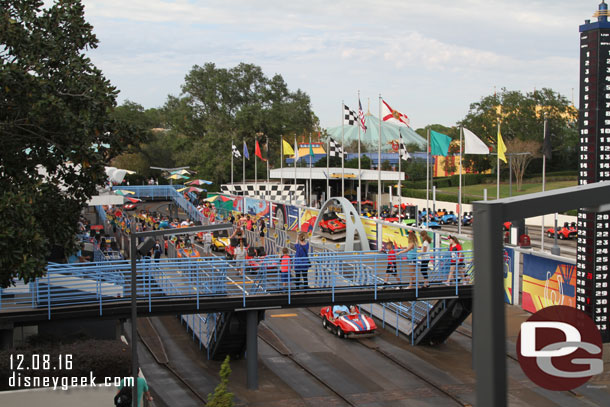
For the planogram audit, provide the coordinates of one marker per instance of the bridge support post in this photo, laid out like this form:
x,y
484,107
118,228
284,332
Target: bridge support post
x,y
489,336
252,349
6,336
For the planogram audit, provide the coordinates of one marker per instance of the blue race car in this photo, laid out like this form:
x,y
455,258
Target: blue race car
x,y
448,219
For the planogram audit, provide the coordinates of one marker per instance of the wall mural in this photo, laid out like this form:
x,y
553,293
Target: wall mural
x,y
547,282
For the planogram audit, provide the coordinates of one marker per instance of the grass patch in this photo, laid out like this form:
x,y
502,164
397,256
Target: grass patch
x,y
475,192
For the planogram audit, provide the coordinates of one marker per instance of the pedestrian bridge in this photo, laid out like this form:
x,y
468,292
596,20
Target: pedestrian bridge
x,y
212,285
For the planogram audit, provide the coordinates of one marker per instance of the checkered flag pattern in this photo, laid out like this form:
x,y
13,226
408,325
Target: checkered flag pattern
x,y
236,152
283,193
349,116
402,149
334,149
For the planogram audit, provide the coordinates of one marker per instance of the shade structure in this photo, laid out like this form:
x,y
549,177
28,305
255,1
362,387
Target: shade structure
x,y
218,197
180,172
191,189
389,133
177,176
123,192
199,182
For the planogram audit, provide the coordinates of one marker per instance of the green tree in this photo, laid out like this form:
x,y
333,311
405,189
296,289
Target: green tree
x,y
221,396
219,105
523,152
365,162
522,117
56,128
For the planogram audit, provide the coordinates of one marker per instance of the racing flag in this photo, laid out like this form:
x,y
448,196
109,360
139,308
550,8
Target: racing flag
x,y
246,155
334,149
236,152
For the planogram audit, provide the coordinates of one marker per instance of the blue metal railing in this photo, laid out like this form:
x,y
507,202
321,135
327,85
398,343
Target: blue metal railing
x,y
205,277
167,192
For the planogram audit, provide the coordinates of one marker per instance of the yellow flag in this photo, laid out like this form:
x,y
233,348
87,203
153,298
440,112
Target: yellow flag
x,y
287,148
501,147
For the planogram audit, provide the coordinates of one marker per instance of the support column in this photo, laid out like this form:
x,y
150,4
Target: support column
x,y
6,336
252,349
488,314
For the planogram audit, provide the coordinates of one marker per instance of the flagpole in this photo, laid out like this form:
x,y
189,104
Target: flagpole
x,y
327,165
379,163
427,174
342,152
267,142
359,166
459,214
310,168
296,154
244,162
255,169
231,161
498,163
282,161
399,177
543,185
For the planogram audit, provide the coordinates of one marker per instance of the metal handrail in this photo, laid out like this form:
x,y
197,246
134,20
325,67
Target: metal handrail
x,y
204,277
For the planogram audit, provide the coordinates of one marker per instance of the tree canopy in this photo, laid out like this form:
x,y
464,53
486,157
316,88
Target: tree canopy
x,y
56,129
522,117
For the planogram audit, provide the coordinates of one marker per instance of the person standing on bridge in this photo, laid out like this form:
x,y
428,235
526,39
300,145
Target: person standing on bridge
x,y
157,251
391,269
457,260
240,255
207,244
424,257
301,261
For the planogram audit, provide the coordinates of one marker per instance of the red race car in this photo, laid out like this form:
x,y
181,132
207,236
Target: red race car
x,y
332,223
347,322
129,206
566,232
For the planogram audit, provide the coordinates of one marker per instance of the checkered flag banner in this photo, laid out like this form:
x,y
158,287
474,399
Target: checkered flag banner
x,y
349,116
334,149
402,150
236,152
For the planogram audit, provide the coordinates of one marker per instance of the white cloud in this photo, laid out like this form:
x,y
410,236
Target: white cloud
x,y
411,50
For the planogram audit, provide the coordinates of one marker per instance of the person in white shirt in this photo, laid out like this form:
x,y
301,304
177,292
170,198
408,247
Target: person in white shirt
x,y
425,256
207,243
240,254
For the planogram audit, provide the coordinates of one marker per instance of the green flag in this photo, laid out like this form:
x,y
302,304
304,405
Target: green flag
x,y
311,150
439,143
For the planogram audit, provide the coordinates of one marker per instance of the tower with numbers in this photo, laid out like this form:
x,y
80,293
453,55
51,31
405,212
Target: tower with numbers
x,y
592,282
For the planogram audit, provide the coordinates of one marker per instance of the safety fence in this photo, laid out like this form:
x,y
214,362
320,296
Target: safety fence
x,y
168,192
205,277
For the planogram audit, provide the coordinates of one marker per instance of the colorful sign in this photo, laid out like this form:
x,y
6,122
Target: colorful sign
x,y
509,269
547,282
308,219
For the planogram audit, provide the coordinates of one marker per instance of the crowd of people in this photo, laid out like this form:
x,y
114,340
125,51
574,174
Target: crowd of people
x,y
418,254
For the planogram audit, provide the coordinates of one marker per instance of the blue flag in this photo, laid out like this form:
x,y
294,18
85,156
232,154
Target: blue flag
x,y
246,151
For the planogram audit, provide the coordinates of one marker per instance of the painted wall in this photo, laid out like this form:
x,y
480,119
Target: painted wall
x,y
547,282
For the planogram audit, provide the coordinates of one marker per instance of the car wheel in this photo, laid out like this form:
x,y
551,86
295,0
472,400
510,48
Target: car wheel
x,y
549,234
340,332
332,232
325,323
560,236
214,248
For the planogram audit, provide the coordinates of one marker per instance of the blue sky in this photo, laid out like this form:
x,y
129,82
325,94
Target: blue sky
x,y
428,59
